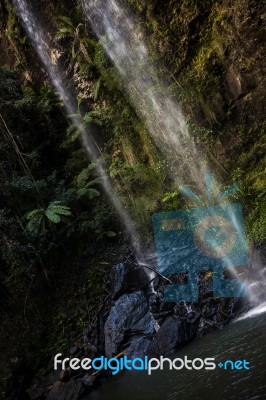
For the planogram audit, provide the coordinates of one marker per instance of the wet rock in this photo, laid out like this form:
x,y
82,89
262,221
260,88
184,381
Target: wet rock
x,y
66,391
233,83
53,376
118,280
88,381
129,316
238,84
138,347
173,333
193,317
127,278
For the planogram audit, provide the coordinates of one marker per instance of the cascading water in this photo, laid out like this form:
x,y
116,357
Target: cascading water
x,y
256,282
163,116
166,123
40,42
149,94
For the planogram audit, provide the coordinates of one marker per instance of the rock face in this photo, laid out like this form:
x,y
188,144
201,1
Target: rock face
x,y
138,325
173,333
129,316
127,278
138,347
66,391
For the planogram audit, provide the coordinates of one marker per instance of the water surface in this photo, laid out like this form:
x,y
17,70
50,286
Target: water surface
x,y
244,339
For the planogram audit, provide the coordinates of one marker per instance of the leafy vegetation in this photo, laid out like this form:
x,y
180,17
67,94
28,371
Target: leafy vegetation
x,y
58,231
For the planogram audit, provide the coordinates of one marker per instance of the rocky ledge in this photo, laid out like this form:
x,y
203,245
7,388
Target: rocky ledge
x,y
135,321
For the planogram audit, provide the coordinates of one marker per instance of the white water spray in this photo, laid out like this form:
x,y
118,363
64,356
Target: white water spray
x,y
40,42
162,115
256,283
166,123
149,94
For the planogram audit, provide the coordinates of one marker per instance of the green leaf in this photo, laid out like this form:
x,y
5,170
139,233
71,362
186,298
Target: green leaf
x,y
96,89
110,234
34,213
36,221
95,117
66,22
91,193
57,208
93,182
73,133
169,196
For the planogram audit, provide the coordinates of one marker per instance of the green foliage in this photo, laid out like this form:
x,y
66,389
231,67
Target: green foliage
x,y
43,160
9,86
74,30
169,196
66,329
97,89
72,133
39,218
100,222
84,183
49,100
257,219
250,174
95,117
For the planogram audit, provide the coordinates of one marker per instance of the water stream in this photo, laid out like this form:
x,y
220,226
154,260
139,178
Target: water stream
x,y
125,45
168,127
241,340
39,39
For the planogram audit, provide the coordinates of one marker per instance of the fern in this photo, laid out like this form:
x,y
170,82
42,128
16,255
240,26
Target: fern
x,y
84,183
95,117
84,175
67,28
89,192
55,210
36,221
38,218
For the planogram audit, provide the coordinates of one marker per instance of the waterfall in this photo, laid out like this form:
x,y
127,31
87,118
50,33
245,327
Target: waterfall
x,y
125,44
256,283
39,39
163,116
155,104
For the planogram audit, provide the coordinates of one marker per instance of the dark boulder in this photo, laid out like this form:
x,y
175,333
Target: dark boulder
x,y
138,347
88,381
130,316
72,390
173,333
127,278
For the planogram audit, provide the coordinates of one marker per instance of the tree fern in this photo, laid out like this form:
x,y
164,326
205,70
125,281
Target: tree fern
x,y
36,222
95,117
38,219
84,183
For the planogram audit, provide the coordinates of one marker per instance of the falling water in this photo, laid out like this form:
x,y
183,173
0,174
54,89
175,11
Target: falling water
x,y
124,44
39,40
166,123
163,116
256,283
